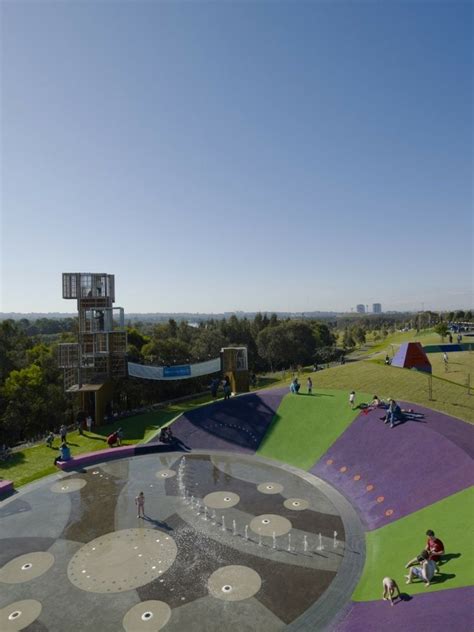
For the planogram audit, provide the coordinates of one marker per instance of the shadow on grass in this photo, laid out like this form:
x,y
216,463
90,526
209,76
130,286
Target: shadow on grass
x,y
136,427
17,458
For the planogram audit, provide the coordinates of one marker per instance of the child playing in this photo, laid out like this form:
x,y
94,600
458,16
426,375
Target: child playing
x,y
50,440
140,503
309,384
352,397
389,588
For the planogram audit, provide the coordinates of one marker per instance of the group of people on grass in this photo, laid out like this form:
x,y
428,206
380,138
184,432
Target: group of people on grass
x,y
295,386
423,567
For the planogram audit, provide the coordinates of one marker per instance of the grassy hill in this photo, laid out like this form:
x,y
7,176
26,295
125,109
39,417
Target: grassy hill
x,y
388,381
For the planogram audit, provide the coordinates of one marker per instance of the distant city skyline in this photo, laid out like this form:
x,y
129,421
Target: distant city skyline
x,y
290,156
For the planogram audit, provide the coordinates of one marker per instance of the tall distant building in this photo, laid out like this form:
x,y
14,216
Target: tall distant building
x,y
360,309
377,308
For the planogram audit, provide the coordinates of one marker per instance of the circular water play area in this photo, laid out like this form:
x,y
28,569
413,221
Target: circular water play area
x,y
227,542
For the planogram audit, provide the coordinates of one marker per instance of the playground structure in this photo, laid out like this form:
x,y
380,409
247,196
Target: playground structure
x,y
235,366
233,363
99,355
411,355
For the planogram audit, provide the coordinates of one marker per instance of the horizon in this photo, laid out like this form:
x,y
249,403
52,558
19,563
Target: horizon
x,y
212,155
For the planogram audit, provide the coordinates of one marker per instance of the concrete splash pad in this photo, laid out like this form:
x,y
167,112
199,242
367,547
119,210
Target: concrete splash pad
x,y
217,549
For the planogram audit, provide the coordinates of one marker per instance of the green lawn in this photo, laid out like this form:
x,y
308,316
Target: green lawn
x,y
391,547
460,365
387,381
305,426
30,464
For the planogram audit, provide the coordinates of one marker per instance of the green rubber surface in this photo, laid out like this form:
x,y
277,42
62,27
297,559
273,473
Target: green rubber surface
x,y
388,549
305,426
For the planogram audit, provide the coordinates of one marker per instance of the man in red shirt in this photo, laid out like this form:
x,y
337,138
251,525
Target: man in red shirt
x,y
434,546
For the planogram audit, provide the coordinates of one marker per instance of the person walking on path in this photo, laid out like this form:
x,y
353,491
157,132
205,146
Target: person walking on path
x,y
140,503
352,397
309,384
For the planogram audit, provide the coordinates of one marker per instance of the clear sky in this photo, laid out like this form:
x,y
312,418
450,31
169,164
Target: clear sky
x,y
238,155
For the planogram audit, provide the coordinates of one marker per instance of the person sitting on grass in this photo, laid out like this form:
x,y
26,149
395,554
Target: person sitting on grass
x,y
113,439
64,453
389,588
434,548
425,572
424,555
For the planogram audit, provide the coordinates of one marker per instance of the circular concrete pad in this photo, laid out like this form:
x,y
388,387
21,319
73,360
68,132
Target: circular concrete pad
x,y
19,615
68,485
296,504
26,567
221,500
165,474
270,488
147,616
234,583
122,560
269,524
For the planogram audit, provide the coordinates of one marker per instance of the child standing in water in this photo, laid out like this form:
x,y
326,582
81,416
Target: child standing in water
x,y
140,503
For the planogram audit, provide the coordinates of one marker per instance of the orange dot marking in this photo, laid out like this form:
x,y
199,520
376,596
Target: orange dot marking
x,y
389,512
343,469
329,462
380,499
369,488
357,477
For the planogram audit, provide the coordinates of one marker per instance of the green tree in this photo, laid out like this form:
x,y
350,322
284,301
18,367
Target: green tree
x,y
442,330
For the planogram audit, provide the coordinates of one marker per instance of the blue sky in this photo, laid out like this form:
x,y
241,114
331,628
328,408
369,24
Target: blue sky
x,y
257,156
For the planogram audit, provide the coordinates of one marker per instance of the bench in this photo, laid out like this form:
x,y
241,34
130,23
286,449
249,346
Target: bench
x,y
89,458
6,488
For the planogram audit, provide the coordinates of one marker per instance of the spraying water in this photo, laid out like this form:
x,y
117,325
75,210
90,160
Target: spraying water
x,y
320,545
246,532
223,523
289,542
234,528
335,540
274,540
305,544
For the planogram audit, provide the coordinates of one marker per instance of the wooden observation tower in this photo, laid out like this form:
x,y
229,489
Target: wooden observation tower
x,y
99,356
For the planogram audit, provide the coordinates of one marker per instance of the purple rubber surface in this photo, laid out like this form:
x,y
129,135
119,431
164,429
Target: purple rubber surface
x,y
440,610
238,424
399,463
